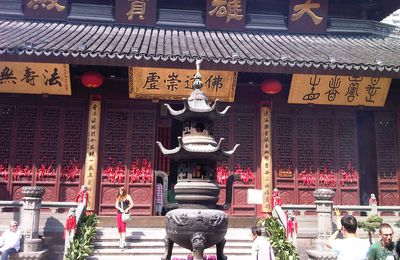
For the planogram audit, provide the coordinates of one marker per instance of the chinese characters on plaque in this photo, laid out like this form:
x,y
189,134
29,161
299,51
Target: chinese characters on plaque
x,y
35,78
338,90
226,14
92,150
156,83
54,9
308,16
142,12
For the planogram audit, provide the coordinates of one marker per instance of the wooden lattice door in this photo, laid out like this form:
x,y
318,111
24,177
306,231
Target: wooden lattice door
x,y
311,149
240,126
127,140
42,144
387,158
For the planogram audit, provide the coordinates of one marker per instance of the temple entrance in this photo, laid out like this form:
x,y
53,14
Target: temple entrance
x,y
367,155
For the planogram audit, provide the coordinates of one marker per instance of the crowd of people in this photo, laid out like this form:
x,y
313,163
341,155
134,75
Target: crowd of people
x,y
350,247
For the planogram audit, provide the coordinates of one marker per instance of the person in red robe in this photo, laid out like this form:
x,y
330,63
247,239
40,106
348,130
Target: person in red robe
x,y
82,196
275,199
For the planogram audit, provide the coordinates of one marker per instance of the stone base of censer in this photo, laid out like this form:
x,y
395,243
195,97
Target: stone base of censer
x,y
196,230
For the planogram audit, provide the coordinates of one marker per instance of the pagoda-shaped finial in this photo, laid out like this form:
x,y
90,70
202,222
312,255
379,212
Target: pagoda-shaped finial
x,y
197,83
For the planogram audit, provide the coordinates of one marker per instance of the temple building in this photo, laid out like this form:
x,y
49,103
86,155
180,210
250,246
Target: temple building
x,y
313,87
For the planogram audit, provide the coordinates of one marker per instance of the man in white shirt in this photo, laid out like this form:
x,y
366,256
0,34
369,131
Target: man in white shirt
x,y
261,248
350,247
10,240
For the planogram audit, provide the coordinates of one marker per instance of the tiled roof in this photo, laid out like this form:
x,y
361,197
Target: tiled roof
x,y
116,45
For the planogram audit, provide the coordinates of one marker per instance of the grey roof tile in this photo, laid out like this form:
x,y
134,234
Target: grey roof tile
x,y
242,51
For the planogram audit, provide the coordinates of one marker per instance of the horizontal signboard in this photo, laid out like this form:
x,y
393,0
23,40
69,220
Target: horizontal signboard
x,y
338,90
35,78
160,83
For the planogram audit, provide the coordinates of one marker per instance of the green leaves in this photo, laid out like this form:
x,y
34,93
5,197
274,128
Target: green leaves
x,y
284,249
82,246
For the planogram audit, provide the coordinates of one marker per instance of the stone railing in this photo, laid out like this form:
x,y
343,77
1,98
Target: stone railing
x,y
28,212
349,209
54,207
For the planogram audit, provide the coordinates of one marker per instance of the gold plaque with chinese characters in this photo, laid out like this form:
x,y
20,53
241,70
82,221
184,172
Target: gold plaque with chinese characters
x,y
35,78
308,16
338,90
46,9
226,15
160,83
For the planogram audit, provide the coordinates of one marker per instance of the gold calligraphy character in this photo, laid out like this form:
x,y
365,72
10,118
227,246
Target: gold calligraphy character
x,y
301,9
232,9
137,8
48,4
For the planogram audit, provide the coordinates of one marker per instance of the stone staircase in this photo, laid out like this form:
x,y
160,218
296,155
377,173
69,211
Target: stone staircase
x,y
148,244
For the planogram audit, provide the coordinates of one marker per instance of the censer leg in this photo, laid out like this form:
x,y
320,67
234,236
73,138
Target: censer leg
x,y
198,244
220,250
169,244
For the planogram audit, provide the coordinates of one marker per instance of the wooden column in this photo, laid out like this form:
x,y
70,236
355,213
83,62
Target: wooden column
x,y
92,151
266,157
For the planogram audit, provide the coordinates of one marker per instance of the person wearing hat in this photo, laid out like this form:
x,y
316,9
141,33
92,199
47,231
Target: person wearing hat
x,y
10,240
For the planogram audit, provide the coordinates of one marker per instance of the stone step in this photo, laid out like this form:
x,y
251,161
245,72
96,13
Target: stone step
x,y
149,243
159,244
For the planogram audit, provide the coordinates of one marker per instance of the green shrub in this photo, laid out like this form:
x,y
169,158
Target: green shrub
x,y
82,246
284,249
370,225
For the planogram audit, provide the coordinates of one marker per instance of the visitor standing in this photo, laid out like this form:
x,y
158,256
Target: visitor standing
x,y
10,240
261,248
374,205
350,247
384,249
123,204
159,198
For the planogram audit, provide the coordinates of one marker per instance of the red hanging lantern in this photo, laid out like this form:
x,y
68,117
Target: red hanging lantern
x,y
271,86
92,79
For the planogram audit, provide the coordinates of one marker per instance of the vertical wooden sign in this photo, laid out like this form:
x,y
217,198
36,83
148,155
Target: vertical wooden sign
x,y
266,157
92,149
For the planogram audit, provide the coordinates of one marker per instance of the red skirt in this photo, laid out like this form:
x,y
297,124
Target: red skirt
x,y
120,224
